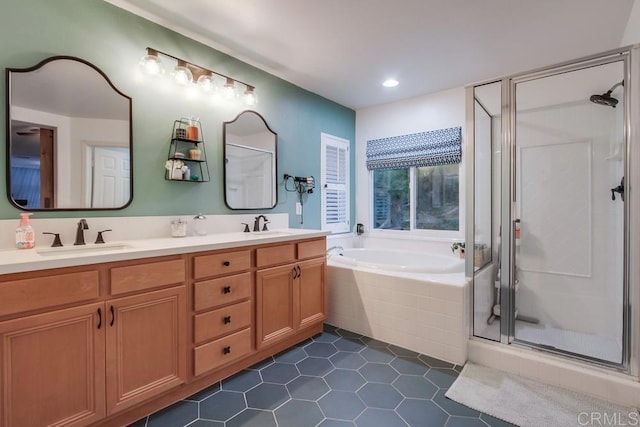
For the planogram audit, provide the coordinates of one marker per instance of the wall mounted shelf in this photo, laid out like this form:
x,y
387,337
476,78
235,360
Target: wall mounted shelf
x,y
187,146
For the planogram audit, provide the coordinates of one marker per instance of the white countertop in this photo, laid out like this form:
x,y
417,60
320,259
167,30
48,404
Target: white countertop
x,y
43,257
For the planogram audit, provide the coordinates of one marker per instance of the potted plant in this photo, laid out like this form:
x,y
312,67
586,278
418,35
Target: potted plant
x,y
458,248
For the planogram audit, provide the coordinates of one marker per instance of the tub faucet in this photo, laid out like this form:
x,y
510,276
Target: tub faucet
x,y
82,225
256,224
338,249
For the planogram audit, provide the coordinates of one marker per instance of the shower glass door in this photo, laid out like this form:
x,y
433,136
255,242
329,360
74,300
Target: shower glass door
x,y
567,229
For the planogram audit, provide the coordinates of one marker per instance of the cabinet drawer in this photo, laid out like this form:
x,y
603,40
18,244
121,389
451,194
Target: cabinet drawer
x,y
222,351
41,292
312,249
222,321
275,255
222,263
147,276
225,290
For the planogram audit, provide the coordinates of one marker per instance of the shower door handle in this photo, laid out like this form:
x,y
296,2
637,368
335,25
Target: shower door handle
x,y
619,189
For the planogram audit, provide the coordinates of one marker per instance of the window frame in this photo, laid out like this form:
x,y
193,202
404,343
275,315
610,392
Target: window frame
x,y
342,227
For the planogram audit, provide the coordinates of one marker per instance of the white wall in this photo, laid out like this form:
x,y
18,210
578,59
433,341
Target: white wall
x,y
632,31
424,113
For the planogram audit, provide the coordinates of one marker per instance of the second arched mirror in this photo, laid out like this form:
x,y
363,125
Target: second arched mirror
x,y
250,162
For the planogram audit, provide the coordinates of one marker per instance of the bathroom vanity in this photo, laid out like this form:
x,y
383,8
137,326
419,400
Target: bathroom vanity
x,y
106,336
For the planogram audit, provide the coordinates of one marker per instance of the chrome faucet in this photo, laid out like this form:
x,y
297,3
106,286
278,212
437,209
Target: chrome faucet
x,y
338,249
82,225
256,224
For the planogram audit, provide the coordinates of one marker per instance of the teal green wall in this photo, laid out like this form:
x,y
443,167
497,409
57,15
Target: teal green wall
x,y
114,40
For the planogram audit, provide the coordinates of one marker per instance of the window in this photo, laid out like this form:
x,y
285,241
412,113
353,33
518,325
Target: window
x,y
334,163
416,180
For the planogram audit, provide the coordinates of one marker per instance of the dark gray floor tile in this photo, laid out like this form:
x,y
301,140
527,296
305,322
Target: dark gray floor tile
x,y
267,396
222,405
441,377
178,414
494,422
203,394
140,423
452,407
420,413
373,343
409,366
279,373
252,418
349,344
262,364
378,372
320,349
341,405
378,355
298,413
415,387
315,366
344,380
304,343
242,381
348,334
205,423
347,360
327,337
435,363
458,368
372,417
336,423
403,352
464,422
381,396
292,355
328,328
307,388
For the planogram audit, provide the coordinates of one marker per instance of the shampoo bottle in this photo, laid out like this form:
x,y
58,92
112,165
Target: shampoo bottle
x,y
25,236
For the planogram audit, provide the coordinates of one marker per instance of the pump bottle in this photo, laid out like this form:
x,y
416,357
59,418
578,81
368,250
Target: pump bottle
x,y
25,236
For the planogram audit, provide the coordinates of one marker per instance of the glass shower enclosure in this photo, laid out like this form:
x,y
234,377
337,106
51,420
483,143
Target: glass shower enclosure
x,y
549,219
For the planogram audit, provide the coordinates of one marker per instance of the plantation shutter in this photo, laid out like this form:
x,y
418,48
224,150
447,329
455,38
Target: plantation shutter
x,y
335,184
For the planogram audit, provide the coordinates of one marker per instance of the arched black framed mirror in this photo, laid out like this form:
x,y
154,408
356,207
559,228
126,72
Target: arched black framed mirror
x,y
250,162
69,138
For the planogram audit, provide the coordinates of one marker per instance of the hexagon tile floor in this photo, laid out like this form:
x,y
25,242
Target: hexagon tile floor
x,y
338,378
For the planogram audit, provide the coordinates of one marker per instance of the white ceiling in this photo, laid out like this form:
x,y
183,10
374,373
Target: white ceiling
x,y
344,49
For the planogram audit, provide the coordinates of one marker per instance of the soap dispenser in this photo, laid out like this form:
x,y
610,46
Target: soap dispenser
x,y
200,224
25,236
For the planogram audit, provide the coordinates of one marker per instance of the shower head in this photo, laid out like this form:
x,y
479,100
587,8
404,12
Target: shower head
x,y
606,98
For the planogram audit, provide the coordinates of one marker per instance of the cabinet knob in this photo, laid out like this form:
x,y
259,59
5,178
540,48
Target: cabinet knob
x,y
226,320
226,350
226,290
226,263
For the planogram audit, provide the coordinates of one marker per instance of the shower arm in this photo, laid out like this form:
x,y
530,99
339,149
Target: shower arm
x,y
615,86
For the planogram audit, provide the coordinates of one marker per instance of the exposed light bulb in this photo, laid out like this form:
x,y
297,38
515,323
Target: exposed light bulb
x,y
390,83
206,83
250,98
181,74
151,64
229,90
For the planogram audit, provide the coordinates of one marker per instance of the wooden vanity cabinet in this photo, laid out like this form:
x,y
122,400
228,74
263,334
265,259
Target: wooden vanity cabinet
x,y
292,296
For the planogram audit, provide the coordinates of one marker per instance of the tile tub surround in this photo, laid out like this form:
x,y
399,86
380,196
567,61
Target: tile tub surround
x,y
604,384
407,310
338,378
127,227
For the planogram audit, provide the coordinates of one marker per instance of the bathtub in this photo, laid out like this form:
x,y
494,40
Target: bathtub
x,y
415,300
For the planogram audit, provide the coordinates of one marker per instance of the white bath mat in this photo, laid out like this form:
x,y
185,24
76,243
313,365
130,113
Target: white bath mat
x,y
528,403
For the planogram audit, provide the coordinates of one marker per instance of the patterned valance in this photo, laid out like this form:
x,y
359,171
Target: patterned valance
x,y
433,148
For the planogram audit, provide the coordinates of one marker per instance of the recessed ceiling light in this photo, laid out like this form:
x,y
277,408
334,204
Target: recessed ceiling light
x,y
390,83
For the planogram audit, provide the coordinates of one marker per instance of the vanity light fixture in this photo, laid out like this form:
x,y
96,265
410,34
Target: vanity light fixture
x,y
390,83
151,64
186,73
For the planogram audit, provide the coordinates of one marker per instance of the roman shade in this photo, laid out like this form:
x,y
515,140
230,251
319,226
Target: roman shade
x,y
432,148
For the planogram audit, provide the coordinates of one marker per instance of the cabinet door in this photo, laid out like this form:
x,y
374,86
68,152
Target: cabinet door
x,y
53,368
313,305
276,304
146,346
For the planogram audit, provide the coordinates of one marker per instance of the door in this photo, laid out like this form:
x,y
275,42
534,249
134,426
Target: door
x,y
276,304
47,175
311,280
568,230
111,175
53,368
146,346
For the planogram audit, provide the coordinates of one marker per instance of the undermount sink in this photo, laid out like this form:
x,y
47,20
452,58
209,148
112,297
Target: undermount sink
x,y
83,249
